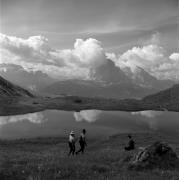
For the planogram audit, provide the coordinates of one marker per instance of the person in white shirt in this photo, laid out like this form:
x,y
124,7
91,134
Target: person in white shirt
x,y
82,142
71,143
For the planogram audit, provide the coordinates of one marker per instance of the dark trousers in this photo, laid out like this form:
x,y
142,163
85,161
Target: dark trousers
x,y
72,148
128,148
82,148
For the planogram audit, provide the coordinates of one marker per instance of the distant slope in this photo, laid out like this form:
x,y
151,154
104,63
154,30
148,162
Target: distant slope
x,y
7,89
168,98
90,88
29,80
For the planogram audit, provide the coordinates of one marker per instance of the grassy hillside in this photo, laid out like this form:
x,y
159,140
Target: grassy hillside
x,y
7,89
166,97
46,158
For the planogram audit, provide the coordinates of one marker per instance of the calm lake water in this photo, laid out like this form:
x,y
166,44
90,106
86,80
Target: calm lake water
x,y
97,123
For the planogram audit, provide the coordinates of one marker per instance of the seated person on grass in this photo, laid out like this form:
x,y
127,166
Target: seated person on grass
x,y
131,144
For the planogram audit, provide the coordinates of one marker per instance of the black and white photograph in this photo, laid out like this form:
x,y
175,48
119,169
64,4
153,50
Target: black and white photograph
x,y
89,89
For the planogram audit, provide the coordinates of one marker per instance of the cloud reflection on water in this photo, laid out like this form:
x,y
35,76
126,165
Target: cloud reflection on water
x,y
87,115
32,117
59,123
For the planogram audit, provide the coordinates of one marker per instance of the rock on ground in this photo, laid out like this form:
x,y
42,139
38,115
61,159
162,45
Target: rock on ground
x,y
157,155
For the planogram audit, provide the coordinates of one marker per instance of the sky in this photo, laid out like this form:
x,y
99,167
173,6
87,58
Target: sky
x,y
60,37
117,23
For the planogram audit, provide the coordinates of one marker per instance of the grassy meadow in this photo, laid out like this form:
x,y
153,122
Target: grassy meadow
x,y
46,159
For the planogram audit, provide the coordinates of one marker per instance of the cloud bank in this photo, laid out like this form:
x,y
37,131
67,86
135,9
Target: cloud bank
x,y
36,54
152,58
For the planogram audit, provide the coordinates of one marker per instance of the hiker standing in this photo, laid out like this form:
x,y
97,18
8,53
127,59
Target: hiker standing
x,y
82,142
131,144
71,143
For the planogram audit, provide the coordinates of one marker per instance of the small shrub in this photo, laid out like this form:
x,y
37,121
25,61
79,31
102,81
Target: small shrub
x,y
78,101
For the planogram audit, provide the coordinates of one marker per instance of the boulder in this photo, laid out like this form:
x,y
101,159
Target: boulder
x,y
157,155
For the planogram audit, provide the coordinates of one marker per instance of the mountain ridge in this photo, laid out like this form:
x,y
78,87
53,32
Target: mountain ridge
x,y
107,80
25,102
111,81
7,89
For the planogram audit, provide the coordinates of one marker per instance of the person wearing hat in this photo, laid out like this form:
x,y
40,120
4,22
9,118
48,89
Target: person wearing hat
x,y
131,144
82,142
71,143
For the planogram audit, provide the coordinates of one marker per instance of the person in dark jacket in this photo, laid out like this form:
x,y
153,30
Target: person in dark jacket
x,y
71,143
82,142
131,144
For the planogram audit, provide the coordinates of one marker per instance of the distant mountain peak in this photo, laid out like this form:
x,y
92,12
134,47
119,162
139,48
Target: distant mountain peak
x,y
109,73
142,78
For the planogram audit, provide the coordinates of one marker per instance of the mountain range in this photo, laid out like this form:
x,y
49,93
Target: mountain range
x,y
107,80
31,80
167,100
112,82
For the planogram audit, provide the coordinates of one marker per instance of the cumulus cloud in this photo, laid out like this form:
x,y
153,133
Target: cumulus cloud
x,y
89,52
174,57
32,117
146,57
151,57
87,115
35,54
34,49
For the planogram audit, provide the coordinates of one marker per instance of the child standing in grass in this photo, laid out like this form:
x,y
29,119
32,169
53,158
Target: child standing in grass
x,y
71,143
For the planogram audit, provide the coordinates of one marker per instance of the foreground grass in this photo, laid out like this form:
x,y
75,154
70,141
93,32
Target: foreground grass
x,y
46,159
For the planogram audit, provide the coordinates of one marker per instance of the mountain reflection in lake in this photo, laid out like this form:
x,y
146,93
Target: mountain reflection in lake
x,y
97,123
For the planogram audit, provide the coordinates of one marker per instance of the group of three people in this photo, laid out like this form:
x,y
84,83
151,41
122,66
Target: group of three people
x,y
72,141
83,144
